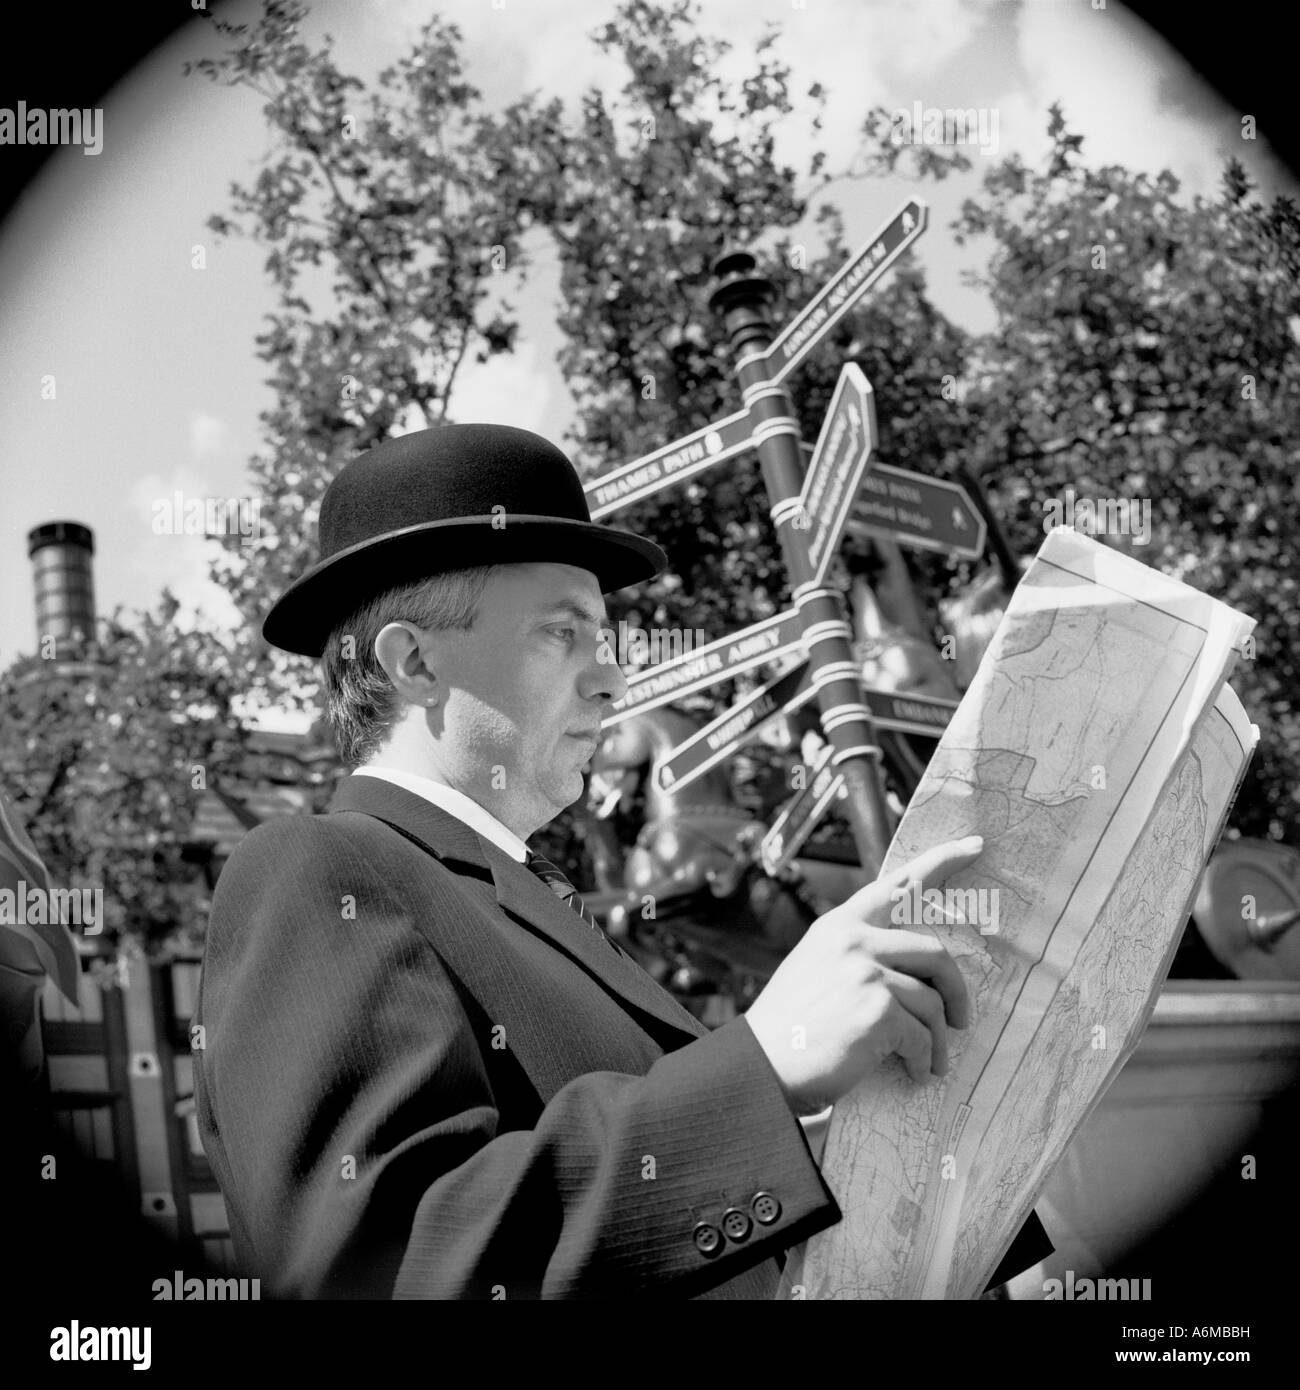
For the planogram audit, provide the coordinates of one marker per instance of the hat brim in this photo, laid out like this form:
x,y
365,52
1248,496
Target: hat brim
x,y
311,608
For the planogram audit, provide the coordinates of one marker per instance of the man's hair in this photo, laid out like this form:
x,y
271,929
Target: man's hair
x,y
361,703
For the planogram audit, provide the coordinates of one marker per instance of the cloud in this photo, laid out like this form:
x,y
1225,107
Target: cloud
x,y
509,389
178,562
207,436
175,560
1110,73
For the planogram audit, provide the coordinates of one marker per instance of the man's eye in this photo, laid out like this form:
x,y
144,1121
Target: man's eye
x,y
565,632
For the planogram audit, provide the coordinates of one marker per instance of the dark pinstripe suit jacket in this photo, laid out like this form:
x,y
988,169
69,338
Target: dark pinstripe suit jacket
x,y
423,1076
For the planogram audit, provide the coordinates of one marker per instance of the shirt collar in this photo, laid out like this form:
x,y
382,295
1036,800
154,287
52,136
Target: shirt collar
x,y
454,803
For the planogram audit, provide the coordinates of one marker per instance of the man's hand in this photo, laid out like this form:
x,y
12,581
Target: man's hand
x,y
856,990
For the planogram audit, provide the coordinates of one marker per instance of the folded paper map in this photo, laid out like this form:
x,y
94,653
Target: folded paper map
x,y
1098,752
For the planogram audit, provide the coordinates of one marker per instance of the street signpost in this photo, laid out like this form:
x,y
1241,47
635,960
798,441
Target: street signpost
x,y
799,818
929,513
839,458
810,514
741,297
925,716
840,293
731,436
720,738
685,457
769,640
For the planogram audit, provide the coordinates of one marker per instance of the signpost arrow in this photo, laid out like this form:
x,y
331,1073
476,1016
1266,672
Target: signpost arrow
x,y
924,715
904,713
683,458
820,315
726,438
696,670
929,513
719,739
839,459
800,816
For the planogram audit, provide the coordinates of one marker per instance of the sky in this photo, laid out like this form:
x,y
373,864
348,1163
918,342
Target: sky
x,y
156,383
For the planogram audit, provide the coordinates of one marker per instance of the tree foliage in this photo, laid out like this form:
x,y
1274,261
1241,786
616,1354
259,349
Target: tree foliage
x,y
1148,348
107,747
1145,347
641,194
409,207
384,228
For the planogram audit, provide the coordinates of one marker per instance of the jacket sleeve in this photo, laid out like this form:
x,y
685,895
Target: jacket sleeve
x,y
346,1098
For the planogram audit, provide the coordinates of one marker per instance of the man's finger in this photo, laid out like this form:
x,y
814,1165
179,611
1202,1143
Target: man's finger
x,y
926,1006
910,953
929,868
934,865
912,1042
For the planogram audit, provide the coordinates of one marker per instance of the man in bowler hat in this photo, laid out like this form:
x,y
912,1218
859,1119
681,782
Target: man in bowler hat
x,y
425,1071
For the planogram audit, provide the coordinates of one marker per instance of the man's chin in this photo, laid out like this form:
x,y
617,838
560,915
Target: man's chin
x,y
570,787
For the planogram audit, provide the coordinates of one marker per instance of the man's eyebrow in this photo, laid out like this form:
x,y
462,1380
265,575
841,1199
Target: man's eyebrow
x,y
574,609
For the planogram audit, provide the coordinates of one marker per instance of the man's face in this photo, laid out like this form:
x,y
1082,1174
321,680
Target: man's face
x,y
523,692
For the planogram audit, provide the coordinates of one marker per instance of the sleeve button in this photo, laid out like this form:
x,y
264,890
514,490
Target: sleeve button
x,y
736,1224
765,1207
708,1239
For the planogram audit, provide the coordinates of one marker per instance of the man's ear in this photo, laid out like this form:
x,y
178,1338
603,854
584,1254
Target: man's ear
x,y
404,653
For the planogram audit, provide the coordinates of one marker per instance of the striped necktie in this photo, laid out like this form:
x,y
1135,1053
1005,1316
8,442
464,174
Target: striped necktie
x,y
559,884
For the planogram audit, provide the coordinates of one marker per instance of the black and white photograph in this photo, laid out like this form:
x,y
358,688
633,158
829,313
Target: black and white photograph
x,y
649,655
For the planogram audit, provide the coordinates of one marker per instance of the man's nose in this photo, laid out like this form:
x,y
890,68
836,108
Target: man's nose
x,y
604,678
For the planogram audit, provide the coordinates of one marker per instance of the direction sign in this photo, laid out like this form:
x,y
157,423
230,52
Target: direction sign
x,y
726,438
696,670
683,458
923,715
904,713
800,816
929,513
720,738
839,459
839,294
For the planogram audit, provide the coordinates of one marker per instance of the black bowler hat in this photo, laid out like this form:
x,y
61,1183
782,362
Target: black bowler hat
x,y
442,499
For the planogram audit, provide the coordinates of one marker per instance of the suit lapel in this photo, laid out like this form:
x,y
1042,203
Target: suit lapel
x,y
519,891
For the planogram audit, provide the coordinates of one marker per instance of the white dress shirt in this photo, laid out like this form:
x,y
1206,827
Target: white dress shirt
x,y
455,804
465,809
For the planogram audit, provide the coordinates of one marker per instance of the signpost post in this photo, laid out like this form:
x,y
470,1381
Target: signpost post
x,y
810,515
841,453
